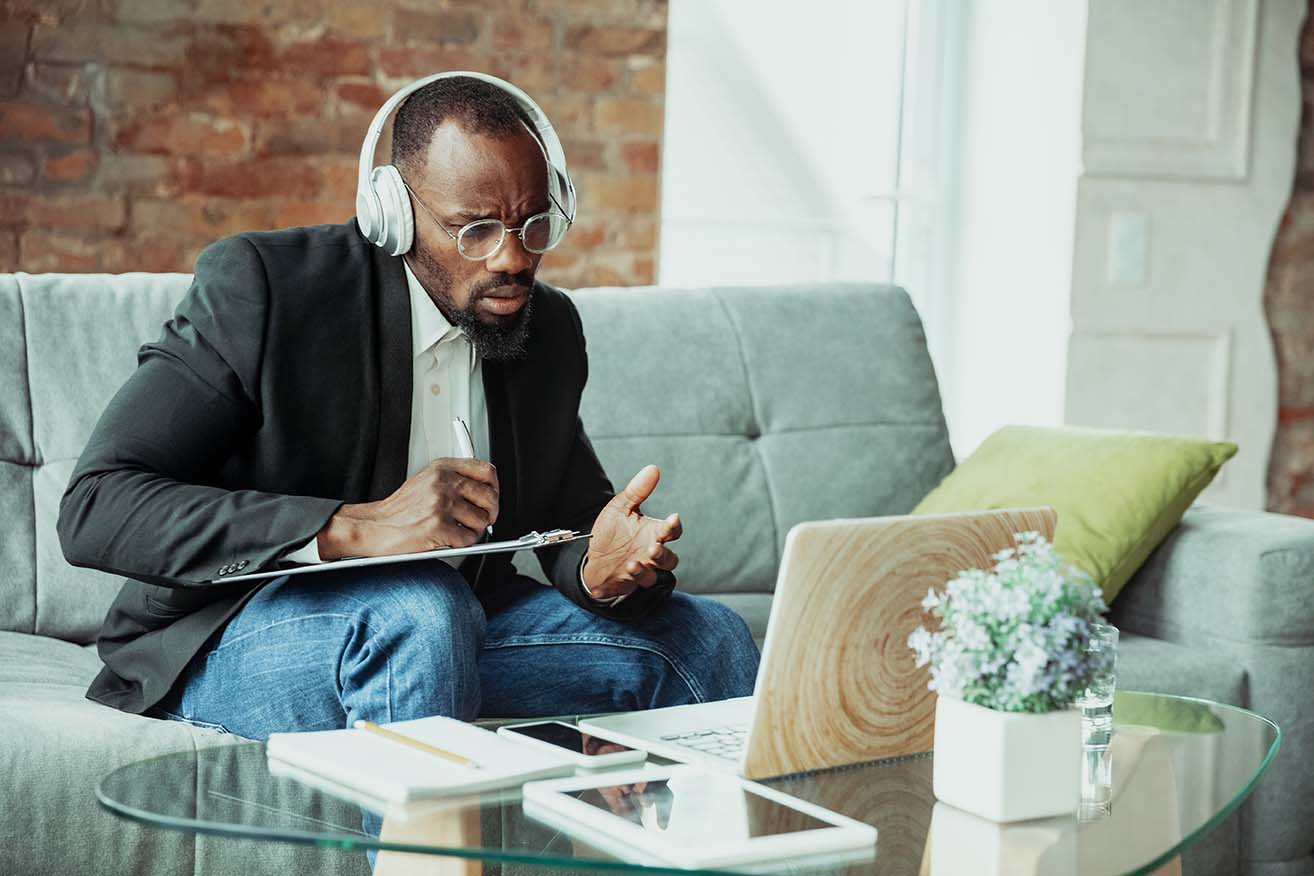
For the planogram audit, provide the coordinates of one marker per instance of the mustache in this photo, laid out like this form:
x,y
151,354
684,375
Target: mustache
x,y
524,279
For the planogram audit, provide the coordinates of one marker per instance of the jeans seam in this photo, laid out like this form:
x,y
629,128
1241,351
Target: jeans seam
x,y
549,641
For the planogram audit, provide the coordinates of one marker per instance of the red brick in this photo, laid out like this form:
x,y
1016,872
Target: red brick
x,y
638,233
13,207
13,44
77,210
262,96
127,89
637,116
584,73
360,21
86,38
610,192
337,133
68,84
647,77
523,32
571,114
586,234
128,172
648,13
9,251
644,271
70,166
585,154
640,157
363,93
17,168
535,73
617,40
287,177
200,218
443,27
326,55
339,179
295,213
400,63
162,251
605,275
42,251
186,134
28,122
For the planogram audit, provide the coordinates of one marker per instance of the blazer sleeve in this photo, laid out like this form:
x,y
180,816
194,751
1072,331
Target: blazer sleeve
x,y
146,498
585,489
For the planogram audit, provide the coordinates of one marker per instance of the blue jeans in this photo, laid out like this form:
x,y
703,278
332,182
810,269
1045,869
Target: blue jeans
x,y
390,643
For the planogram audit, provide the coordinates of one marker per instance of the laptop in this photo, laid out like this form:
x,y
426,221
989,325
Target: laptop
x,y
837,683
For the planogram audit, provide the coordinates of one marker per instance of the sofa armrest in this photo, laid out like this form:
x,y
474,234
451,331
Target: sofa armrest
x,y
1225,575
1240,584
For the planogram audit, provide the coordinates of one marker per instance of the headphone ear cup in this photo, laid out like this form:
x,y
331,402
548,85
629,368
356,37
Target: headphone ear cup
x,y
396,230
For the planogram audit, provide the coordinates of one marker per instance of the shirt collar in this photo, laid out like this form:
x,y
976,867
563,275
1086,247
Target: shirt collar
x,y
428,325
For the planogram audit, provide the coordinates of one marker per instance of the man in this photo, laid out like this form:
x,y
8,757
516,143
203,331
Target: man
x,y
298,406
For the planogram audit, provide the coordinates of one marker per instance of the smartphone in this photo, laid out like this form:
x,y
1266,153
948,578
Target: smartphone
x,y
566,741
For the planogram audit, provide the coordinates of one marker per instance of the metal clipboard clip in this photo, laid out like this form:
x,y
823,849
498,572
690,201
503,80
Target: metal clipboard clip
x,y
542,539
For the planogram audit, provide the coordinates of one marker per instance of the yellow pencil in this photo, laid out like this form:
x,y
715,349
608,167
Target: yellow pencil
x,y
371,727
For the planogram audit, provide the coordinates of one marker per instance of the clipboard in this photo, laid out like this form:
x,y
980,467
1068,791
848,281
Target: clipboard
x,y
527,542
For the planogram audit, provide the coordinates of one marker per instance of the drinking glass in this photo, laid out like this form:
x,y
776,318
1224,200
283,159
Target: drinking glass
x,y
1096,704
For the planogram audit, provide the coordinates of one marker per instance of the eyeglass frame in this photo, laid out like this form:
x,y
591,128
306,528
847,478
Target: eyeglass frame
x,y
519,232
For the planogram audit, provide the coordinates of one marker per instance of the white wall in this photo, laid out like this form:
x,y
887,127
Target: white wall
x,y
1018,149
1190,117
780,145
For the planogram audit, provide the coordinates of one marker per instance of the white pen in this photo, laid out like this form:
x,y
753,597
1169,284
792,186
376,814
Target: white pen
x,y
465,448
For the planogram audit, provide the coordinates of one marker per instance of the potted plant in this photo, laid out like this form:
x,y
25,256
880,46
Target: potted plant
x,y
1007,660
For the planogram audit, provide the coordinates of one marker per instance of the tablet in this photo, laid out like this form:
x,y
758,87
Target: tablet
x,y
688,817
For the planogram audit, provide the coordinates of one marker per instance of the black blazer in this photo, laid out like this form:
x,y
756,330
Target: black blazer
x,y
280,389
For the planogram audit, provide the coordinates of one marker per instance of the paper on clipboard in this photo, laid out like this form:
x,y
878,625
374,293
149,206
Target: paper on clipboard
x,y
526,542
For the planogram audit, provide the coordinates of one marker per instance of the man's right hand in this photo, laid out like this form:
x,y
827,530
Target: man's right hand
x,y
448,503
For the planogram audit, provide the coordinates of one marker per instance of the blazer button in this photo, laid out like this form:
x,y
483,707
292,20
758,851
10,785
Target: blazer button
x,y
241,565
224,570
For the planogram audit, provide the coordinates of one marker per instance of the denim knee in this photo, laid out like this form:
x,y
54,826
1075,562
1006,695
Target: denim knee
x,y
424,627
716,643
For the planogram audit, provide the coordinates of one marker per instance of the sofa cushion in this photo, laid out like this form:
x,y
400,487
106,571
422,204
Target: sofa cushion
x,y
67,342
1164,667
1117,493
731,392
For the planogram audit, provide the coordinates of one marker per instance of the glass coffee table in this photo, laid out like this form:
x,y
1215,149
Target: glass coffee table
x,y
1180,768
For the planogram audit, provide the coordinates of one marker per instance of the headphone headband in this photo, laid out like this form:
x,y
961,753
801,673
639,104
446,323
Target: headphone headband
x,y
394,232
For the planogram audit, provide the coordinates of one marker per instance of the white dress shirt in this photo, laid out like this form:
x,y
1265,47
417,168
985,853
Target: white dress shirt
x,y
446,381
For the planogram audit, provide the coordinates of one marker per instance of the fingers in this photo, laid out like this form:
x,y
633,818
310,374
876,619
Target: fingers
x,y
474,469
479,494
671,529
639,488
470,515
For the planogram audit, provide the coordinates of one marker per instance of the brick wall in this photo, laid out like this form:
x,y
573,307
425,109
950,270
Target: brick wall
x,y
1289,304
134,132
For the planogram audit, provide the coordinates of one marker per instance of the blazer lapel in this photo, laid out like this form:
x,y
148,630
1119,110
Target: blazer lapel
x,y
392,333
504,448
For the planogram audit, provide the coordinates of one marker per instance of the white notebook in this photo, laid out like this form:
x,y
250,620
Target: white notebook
x,y
384,769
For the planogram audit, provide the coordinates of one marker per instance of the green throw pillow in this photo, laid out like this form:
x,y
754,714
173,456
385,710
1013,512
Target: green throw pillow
x,y
1118,494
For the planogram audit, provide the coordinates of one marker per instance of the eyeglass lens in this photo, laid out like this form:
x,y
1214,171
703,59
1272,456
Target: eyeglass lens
x,y
540,233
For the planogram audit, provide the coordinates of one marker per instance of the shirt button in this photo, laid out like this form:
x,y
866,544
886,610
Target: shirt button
x,y
435,388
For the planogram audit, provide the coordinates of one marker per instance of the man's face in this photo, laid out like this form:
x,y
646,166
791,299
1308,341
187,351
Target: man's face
x,y
465,177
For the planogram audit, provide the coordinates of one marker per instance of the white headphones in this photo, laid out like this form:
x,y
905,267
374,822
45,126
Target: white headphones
x,y
383,208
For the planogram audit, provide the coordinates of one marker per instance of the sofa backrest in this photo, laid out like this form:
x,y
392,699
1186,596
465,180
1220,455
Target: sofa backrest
x,y
764,407
67,342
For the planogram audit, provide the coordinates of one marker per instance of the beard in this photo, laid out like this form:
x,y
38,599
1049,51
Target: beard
x,y
505,339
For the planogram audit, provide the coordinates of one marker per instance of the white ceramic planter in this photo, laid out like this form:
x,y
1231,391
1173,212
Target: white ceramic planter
x,y
1007,766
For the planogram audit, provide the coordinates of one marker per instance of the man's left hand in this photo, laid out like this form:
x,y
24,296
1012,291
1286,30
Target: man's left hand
x,y
628,549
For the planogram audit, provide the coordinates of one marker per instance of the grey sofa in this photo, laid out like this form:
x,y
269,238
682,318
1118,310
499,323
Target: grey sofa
x,y
764,407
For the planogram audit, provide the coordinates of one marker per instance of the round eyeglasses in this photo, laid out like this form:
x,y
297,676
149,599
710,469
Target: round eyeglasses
x,y
482,238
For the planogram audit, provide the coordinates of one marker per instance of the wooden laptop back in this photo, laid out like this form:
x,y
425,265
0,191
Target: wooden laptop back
x,y
838,684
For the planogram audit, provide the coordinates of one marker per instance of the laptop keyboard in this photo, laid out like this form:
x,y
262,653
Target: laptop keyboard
x,y
726,742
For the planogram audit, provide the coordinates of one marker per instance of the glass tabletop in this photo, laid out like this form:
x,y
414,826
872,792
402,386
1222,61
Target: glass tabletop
x,y
1180,766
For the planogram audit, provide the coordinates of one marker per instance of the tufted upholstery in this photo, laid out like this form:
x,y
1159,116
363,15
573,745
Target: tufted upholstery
x,y
763,408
